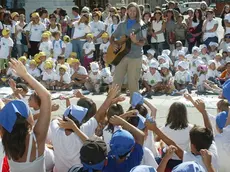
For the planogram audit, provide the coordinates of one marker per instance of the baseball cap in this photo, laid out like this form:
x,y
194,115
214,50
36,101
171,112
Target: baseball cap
x,y
151,51
226,90
211,61
77,112
121,143
195,48
137,98
90,150
213,44
183,64
164,65
143,168
94,67
221,119
202,46
189,166
63,67
5,32
167,52
8,113
153,64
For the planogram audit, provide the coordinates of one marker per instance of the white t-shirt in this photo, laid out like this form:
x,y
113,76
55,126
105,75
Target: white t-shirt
x,y
6,26
188,156
224,46
19,29
34,72
205,58
227,18
89,46
80,30
152,79
5,44
180,137
66,78
212,73
49,76
148,158
111,28
46,47
223,147
35,31
96,28
209,26
58,66
82,71
94,78
182,77
57,48
104,47
67,148
217,63
150,143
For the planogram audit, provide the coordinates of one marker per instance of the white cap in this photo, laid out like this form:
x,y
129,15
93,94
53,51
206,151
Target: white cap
x,y
94,67
195,48
183,64
164,65
86,9
228,49
213,44
188,56
153,64
151,51
144,67
161,57
181,53
167,52
199,62
105,71
202,46
190,9
145,58
211,61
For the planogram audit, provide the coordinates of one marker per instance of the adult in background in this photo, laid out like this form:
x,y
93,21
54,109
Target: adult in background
x,y
54,26
109,20
64,19
226,19
34,32
203,7
105,14
131,63
171,6
209,28
123,13
170,30
43,13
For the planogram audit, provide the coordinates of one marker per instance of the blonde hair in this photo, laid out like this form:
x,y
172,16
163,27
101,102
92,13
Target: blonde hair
x,y
138,17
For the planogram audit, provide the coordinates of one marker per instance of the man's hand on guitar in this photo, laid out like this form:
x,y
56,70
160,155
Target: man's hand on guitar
x,y
115,47
133,38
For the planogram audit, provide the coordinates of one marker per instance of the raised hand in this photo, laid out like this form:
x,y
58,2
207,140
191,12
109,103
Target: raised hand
x,y
78,94
116,120
130,114
170,151
12,84
113,91
188,97
200,105
69,124
150,125
206,157
18,68
54,107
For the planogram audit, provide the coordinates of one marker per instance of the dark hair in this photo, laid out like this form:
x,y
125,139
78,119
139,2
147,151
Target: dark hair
x,y
90,105
146,13
60,57
14,143
117,16
87,17
7,18
78,124
75,9
43,11
52,16
177,117
223,11
56,33
115,109
62,13
201,137
22,86
171,11
37,98
141,109
200,15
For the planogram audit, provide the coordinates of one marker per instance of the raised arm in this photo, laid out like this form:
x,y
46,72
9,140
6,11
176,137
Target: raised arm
x,y
152,108
153,127
137,134
42,124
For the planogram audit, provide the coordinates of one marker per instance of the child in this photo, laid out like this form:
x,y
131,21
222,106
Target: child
x,y
106,79
63,78
225,75
204,55
6,45
182,77
33,70
202,69
69,46
61,61
228,54
48,75
150,54
58,45
213,74
88,50
42,58
225,57
179,47
145,64
225,43
181,57
152,79
93,83
167,85
46,45
213,49
218,59
104,45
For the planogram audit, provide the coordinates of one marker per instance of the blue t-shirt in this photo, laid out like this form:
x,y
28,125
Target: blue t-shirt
x,y
133,160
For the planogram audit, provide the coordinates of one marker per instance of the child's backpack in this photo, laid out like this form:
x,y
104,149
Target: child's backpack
x,y
60,43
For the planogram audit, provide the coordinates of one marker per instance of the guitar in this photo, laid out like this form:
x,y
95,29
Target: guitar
x,y
114,57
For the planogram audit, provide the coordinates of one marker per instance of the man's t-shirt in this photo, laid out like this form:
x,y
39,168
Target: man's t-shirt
x,y
131,161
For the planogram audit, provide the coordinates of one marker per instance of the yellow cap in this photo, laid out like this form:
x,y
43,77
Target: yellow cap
x,y
218,54
74,61
5,32
48,65
42,54
66,38
69,60
63,67
37,58
45,35
33,62
105,35
35,15
14,14
48,32
22,58
74,54
90,35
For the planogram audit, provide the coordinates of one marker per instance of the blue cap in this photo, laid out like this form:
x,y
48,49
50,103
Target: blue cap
x,y
8,115
121,143
137,98
143,168
221,119
226,90
77,112
141,122
189,166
